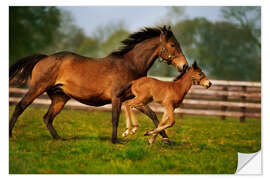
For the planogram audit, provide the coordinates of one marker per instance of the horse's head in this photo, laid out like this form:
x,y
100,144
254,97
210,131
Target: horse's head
x,y
170,50
198,77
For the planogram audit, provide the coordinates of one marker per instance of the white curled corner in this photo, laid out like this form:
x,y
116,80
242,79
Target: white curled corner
x,y
249,163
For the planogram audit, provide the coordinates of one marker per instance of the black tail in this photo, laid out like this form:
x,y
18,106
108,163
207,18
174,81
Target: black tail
x,y
123,90
22,69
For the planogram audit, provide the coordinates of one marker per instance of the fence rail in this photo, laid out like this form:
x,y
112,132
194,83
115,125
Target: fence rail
x,y
224,99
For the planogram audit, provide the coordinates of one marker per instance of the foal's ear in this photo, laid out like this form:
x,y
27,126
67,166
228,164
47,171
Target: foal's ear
x,y
195,65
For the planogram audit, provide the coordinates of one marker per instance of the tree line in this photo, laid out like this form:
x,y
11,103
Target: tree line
x,y
227,49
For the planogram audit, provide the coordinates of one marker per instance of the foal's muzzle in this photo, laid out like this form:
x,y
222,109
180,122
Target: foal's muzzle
x,y
205,83
209,85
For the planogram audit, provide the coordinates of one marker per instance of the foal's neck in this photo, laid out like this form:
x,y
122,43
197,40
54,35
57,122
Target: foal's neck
x,y
185,81
143,55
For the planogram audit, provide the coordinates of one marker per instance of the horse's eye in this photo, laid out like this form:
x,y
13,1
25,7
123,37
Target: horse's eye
x,y
172,45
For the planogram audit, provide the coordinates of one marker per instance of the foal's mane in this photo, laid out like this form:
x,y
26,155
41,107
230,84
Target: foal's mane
x,y
137,37
180,75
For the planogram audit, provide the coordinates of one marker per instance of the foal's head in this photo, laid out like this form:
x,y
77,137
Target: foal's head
x,y
171,51
198,77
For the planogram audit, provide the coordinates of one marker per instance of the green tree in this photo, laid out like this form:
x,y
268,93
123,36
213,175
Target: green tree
x,y
248,17
223,49
31,29
72,38
113,42
110,36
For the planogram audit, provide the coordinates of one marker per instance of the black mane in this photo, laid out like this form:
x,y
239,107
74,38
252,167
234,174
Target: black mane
x,y
180,75
138,37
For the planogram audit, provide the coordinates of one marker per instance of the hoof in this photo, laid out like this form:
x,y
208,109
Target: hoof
x,y
60,139
150,142
147,133
166,141
116,141
126,133
134,130
152,139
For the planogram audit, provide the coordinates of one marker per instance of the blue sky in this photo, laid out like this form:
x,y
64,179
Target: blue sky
x,y
135,17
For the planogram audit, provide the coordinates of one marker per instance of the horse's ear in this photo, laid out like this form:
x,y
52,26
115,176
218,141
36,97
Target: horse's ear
x,y
169,28
195,65
164,30
163,37
163,34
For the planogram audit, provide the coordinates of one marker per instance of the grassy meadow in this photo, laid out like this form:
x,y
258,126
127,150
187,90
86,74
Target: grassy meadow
x,y
204,145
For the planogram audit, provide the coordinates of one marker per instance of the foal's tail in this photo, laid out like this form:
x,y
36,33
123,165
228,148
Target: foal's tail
x,y
22,69
122,91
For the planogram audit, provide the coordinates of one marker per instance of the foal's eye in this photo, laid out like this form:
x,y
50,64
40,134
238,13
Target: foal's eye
x,y
172,45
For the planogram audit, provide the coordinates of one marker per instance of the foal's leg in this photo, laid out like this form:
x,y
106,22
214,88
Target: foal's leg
x,y
151,114
135,102
58,102
130,117
128,123
134,122
28,98
162,122
169,111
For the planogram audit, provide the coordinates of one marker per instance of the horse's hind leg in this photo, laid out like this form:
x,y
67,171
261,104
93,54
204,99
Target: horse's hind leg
x,y
58,102
23,104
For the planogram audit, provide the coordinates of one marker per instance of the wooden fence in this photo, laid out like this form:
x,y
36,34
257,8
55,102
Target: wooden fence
x,y
223,99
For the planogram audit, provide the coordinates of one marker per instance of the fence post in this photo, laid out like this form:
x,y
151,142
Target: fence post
x,y
224,98
243,109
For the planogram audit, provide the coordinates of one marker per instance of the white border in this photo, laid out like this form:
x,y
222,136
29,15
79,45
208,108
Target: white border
x,y
138,2
265,78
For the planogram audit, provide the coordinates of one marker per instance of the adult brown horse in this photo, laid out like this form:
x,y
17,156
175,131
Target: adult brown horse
x,y
94,82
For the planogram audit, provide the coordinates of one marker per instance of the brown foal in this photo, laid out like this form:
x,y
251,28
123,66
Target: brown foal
x,y
169,94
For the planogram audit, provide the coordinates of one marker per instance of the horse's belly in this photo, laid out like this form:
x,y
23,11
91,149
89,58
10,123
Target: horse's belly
x,y
94,96
94,101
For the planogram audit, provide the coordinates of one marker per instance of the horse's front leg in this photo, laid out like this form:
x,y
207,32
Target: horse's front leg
x,y
116,108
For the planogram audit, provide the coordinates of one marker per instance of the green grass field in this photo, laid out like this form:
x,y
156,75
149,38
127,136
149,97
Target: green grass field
x,y
200,145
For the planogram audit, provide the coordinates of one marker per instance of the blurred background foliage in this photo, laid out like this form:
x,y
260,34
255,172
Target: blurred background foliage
x,y
228,49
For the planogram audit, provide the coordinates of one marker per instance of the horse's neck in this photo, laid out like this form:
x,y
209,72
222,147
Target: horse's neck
x,y
143,55
185,82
